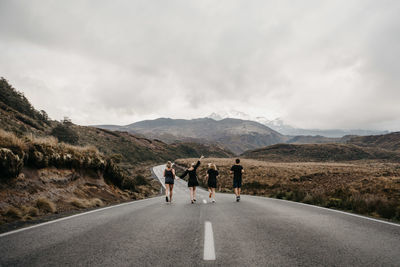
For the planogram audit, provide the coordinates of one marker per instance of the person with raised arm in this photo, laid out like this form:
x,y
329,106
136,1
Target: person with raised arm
x,y
192,181
169,174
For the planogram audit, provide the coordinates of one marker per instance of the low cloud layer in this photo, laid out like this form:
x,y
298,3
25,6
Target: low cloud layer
x,y
316,64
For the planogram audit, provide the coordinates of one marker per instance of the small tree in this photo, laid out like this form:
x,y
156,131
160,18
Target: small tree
x,y
43,116
65,133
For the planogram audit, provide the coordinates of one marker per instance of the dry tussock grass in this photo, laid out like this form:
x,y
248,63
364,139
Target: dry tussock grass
x,y
366,187
45,205
86,203
8,139
13,213
48,140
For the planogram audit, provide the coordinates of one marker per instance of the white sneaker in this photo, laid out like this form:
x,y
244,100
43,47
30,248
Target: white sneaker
x,y
213,201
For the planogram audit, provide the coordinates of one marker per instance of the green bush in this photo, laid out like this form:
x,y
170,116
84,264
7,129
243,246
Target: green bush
x,y
387,209
334,203
10,164
128,183
65,133
114,174
141,180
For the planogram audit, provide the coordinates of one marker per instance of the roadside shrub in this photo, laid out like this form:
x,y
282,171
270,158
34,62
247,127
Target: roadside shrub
x,y
96,202
308,199
32,211
10,164
288,195
298,195
13,213
141,180
84,203
114,174
46,205
129,184
280,194
79,203
334,203
387,209
254,185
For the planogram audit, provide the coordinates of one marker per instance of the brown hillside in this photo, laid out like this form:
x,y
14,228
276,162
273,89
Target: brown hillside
x,y
320,152
389,141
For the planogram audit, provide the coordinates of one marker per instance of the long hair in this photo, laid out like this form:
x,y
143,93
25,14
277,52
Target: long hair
x,y
213,166
169,164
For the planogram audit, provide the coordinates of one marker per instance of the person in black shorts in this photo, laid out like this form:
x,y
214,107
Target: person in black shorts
x,y
192,182
169,175
212,174
237,171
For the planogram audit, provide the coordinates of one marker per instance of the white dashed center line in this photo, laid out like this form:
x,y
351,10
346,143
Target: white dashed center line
x,y
209,250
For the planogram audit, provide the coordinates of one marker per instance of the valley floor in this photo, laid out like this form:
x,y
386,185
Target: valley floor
x,y
364,187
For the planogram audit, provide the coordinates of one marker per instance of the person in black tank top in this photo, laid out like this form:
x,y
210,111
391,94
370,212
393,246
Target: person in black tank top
x,y
192,181
212,174
169,175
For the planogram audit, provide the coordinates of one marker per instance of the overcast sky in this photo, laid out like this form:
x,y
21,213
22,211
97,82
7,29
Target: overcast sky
x,y
315,64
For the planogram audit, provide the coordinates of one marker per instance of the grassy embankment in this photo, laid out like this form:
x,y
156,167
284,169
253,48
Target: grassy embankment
x,y
40,176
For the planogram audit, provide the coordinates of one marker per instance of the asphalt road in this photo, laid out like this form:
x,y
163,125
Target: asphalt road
x,y
254,232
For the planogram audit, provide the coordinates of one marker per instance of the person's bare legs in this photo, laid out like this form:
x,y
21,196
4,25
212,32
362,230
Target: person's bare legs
x,y
191,193
239,189
171,188
213,194
194,193
210,191
235,190
166,190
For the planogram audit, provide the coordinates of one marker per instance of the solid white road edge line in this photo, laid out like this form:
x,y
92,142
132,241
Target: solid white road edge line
x,y
209,250
73,216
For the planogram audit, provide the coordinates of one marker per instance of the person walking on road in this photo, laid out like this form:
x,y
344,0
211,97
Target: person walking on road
x,y
212,174
192,182
237,171
169,175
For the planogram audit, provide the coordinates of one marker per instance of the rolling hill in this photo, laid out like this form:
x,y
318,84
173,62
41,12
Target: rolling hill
x,y
389,141
320,153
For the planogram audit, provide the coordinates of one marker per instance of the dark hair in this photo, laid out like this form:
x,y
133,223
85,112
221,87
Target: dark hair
x,y
237,161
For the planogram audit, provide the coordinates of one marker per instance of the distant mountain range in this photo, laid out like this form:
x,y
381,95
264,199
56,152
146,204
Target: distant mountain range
x,y
280,126
234,134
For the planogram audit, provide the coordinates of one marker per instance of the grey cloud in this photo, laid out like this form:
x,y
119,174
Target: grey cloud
x,y
312,63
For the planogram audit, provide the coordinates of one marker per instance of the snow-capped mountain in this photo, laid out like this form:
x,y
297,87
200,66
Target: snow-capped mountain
x,y
279,125
234,114
276,124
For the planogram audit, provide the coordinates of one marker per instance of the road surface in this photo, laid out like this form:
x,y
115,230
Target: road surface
x,y
256,231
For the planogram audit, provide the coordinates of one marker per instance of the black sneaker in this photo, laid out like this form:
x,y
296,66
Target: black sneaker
x,y
192,202
166,199
237,199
